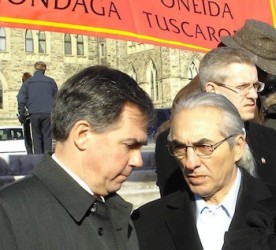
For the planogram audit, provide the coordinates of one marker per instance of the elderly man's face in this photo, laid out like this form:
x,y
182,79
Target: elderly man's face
x,y
238,75
211,177
111,156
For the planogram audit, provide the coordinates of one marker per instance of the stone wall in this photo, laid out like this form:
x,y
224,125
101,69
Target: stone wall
x,y
170,68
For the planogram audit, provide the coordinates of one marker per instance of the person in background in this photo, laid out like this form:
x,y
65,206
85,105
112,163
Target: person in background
x,y
69,201
232,73
269,102
270,111
37,95
224,206
25,121
258,39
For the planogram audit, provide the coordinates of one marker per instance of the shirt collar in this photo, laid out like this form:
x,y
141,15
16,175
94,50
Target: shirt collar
x,y
229,202
76,178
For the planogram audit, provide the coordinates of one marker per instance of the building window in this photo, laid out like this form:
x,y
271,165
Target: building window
x,y
2,39
152,79
153,75
151,88
67,44
29,42
132,73
80,46
41,42
1,96
193,70
102,49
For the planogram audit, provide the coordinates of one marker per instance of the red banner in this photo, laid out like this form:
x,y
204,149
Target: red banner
x,y
188,24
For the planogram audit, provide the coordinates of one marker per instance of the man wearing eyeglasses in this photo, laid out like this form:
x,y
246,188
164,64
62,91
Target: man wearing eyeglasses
x,y
223,207
232,73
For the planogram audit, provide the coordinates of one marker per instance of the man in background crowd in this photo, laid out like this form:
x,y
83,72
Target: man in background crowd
x,y
37,95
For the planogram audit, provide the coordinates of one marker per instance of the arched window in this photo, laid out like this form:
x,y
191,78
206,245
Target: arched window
x,y
152,79
29,42
2,39
132,73
80,45
41,42
67,44
193,70
102,49
1,96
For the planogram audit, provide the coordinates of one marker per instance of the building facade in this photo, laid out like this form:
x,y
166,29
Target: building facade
x,y
160,71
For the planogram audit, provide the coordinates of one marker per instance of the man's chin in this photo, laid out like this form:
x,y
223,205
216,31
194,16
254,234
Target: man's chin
x,y
247,117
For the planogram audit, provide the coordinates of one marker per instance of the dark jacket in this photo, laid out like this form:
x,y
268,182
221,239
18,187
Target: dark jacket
x,y
169,223
261,140
37,94
270,111
48,210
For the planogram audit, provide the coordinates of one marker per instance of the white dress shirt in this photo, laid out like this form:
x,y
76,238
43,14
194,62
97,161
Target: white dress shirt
x,y
75,177
213,221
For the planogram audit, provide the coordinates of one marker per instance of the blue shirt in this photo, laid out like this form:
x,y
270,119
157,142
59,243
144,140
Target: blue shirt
x,y
213,221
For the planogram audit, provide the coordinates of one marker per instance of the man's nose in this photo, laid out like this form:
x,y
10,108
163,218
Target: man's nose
x,y
136,159
192,160
252,93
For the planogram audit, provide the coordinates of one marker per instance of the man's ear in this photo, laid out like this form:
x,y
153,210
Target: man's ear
x,y
81,133
239,147
210,87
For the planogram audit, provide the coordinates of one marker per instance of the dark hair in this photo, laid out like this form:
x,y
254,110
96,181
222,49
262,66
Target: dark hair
x,y
97,94
25,76
269,80
40,66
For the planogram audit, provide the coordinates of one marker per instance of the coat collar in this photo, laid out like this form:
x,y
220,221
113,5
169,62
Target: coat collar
x,y
69,193
252,193
181,223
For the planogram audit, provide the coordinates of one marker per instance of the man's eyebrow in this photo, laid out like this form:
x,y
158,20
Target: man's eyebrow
x,y
200,141
203,140
135,141
177,142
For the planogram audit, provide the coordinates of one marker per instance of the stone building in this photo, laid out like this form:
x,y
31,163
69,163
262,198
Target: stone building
x,y
160,71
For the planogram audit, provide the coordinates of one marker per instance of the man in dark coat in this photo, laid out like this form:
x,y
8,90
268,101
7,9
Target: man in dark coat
x,y
69,201
37,95
224,206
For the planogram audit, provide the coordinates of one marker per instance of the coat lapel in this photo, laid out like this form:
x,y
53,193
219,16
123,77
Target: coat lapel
x,y
252,221
251,194
181,225
66,190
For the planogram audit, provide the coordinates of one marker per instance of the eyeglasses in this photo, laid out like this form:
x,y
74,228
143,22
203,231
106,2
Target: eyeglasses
x,y
244,88
203,150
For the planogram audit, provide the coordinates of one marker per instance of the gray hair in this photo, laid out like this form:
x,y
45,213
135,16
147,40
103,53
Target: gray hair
x,y
232,123
215,64
98,95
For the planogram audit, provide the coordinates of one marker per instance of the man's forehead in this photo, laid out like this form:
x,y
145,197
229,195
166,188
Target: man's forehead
x,y
241,73
196,122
